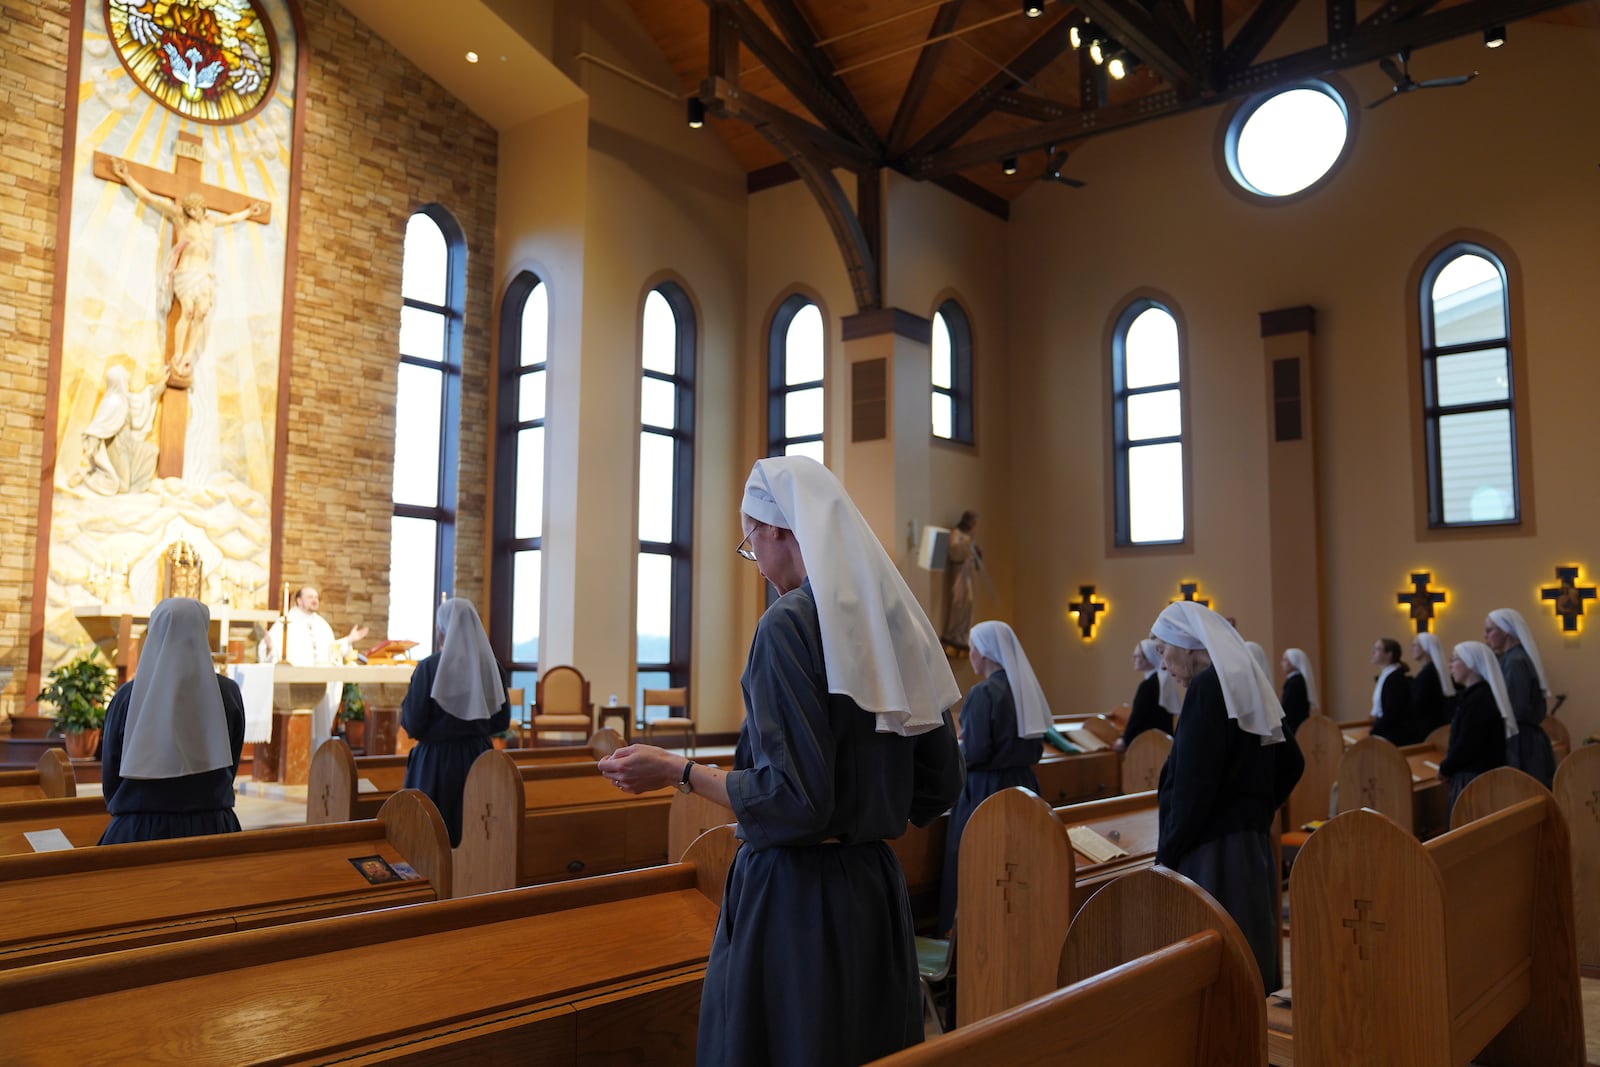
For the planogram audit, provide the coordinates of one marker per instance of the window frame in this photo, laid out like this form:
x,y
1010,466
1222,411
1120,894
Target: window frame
x,y
680,550
959,325
778,389
1118,504
1432,411
453,311
508,426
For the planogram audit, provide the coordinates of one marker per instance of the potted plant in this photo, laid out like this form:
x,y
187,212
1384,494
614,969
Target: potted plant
x,y
353,713
79,691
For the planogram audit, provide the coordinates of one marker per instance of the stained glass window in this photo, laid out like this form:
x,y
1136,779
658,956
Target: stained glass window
x,y
209,60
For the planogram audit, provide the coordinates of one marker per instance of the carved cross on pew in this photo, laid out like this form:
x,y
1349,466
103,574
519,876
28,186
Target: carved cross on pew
x,y
1568,596
487,818
1087,610
1593,804
1369,793
1188,591
1421,600
1006,884
183,180
1362,928
327,799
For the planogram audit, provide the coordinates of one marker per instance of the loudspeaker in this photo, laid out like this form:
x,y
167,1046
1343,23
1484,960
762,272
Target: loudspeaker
x,y
934,550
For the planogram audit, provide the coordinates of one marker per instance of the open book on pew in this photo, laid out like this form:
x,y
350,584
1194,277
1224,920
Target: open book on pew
x,y
1086,741
1053,736
1093,845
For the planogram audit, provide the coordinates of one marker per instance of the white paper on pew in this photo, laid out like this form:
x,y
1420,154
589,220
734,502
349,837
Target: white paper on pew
x,y
52,840
1350,740
1430,764
364,785
1091,844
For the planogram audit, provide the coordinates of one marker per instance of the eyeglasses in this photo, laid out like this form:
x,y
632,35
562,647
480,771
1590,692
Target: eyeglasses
x,y
747,553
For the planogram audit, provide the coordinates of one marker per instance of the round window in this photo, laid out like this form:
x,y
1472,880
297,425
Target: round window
x,y
1286,141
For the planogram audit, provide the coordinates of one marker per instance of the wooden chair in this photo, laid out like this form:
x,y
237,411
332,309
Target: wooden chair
x,y
1578,796
561,702
675,699
520,712
1142,762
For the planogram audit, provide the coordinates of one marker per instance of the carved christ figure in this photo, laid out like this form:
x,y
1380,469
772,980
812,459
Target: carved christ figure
x,y
186,275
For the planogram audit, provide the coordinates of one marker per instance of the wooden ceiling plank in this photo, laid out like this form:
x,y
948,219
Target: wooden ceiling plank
x,y
796,29
1258,29
730,101
1361,47
1037,55
1136,31
922,76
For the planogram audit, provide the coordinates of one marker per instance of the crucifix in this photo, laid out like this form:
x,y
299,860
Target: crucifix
x,y
1568,596
1188,591
1087,610
1421,600
186,283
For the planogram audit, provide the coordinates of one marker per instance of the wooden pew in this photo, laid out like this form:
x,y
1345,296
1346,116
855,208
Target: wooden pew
x,y
1560,737
343,787
1021,882
526,825
156,892
1153,973
1323,747
1142,762
81,819
1374,774
1439,953
52,777
1577,792
1355,729
601,970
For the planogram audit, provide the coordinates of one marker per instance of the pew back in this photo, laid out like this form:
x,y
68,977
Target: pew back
x,y
1373,774
51,777
1577,792
81,819
1323,747
1142,762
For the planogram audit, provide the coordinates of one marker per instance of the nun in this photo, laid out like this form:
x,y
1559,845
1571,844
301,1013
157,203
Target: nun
x,y
1484,725
1003,721
1156,700
1433,693
1299,689
457,699
1507,633
1391,696
172,736
847,737
1232,766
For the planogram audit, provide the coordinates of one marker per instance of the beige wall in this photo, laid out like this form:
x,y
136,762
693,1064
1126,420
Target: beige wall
x,y
1510,154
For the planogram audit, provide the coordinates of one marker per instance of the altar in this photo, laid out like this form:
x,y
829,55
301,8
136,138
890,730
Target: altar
x,y
278,703
118,630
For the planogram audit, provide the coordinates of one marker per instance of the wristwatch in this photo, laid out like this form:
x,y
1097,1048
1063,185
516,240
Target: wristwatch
x,y
683,783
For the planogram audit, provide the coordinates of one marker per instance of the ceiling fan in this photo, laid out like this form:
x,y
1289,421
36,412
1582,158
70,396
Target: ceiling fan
x,y
1404,83
1053,162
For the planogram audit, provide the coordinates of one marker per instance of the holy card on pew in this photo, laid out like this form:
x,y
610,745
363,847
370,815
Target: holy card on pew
x,y
1092,845
365,785
52,840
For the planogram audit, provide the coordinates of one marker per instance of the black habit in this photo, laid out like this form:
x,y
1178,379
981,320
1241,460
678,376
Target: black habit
x,y
446,746
1146,712
1477,739
814,961
1296,702
155,809
1220,789
1429,706
1530,750
1397,724
996,759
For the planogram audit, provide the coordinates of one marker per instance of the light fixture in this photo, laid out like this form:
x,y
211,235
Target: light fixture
x,y
1097,52
1033,8
1075,35
697,112
1117,67
472,57
1494,37
1008,166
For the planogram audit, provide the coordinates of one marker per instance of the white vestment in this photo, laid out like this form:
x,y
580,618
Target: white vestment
x,y
311,644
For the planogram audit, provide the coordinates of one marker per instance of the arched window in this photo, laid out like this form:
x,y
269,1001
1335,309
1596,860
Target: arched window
x,y
1147,426
795,392
427,421
951,365
1469,404
517,570
666,491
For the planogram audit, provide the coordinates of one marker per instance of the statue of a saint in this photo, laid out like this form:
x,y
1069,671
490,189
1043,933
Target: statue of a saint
x,y
117,455
186,274
962,560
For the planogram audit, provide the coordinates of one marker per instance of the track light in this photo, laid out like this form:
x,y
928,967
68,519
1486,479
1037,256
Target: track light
x,y
1494,37
1008,166
1075,35
1117,67
1033,8
697,113
1097,52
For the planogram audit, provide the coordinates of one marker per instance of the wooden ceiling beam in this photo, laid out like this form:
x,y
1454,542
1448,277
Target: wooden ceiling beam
x,y
1031,106
1396,11
927,62
1361,47
796,29
795,74
1135,30
1258,29
1026,65
727,100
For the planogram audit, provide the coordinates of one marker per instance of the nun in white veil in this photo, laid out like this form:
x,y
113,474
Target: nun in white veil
x,y
1156,702
1232,766
1299,689
1484,726
172,736
846,737
1433,692
1003,720
1507,633
456,702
